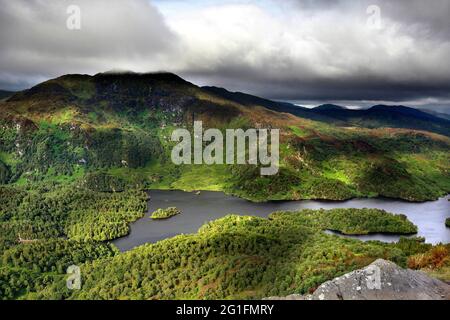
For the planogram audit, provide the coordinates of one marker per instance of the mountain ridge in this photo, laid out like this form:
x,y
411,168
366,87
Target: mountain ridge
x,y
120,125
381,280
389,116
329,106
376,116
373,117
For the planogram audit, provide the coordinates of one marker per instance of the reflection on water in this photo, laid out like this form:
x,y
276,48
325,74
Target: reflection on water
x,y
207,206
390,238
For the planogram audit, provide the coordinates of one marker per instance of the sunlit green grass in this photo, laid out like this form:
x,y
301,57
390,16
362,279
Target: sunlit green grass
x,y
203,177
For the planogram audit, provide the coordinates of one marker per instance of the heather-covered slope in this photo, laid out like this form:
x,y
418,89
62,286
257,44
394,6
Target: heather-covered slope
x,y
389,116
118,126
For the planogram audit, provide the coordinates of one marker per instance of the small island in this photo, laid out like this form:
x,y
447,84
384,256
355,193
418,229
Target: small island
x,y
165,213
447,222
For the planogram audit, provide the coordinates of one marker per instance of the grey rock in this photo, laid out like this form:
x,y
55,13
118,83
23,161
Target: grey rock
x,y
381,280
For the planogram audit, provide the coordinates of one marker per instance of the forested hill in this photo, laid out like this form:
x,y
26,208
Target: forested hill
x,y
118,126
5,94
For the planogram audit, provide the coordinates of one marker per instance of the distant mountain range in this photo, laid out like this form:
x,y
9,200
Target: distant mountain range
x,y
379,116
375,117
248,100
388,116
437,114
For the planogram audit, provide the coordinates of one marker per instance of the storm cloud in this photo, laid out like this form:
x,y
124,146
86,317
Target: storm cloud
x,y
295,50
115,34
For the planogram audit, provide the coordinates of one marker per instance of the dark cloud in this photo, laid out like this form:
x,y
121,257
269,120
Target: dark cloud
x,y
357,87
425,18
325,50
36,44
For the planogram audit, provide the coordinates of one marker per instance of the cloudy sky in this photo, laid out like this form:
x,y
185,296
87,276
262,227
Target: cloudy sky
x,y
354,52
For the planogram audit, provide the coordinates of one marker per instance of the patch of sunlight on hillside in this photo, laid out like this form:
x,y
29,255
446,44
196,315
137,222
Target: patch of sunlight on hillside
x,y
202,177
299,132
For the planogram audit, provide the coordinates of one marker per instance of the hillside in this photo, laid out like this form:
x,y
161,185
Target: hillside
x,y
118,126
234,257
388,116
437,114
380,116
5,94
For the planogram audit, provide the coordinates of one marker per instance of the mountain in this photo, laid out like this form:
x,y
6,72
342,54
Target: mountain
x,y
249,100
388,116
402,110
77,153
376,117
118,126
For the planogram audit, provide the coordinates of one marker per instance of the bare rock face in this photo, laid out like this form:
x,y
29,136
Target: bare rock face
x,y
382,280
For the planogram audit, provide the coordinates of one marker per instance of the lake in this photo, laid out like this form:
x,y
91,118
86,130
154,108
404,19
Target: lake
x,y
207,206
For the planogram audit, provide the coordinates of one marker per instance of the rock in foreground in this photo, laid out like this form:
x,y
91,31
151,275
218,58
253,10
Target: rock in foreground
x,y
382,280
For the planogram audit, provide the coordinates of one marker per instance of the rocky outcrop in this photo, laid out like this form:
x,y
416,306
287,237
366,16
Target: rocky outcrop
x,y
382,280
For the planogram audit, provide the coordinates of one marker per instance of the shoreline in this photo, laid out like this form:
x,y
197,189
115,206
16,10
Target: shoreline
x,y
310,199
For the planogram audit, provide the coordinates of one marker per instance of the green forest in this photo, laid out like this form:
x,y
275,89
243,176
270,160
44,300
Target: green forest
x,y
46,229
236,257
